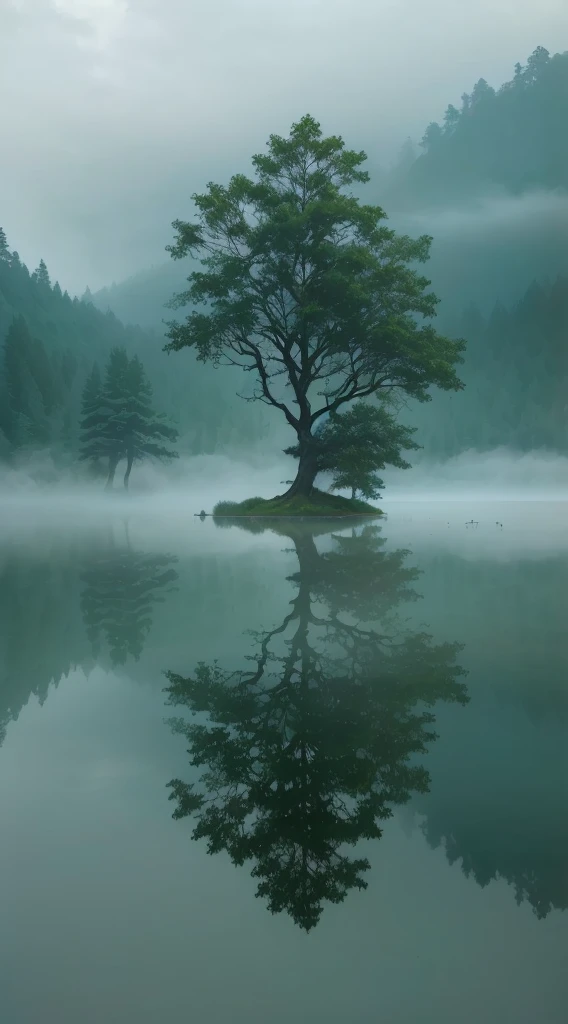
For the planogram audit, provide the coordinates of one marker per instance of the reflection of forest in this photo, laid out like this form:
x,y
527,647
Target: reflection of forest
x,y
41,634
500,774
58,605
305,753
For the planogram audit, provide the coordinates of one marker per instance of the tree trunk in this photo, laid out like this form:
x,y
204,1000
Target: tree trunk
x,y
112,464
129,461
307,471
353,494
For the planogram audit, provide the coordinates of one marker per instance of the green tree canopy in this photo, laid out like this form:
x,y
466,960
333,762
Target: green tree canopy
x,y
305,287
354,445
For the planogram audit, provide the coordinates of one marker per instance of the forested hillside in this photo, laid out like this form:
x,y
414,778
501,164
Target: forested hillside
x,y
48,345
491,186
516,377
512,138
218,417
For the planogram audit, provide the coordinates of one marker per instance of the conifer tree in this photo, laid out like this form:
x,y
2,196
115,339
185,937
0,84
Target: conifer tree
x,y
144,432
118,418
93,446
41,275
4,251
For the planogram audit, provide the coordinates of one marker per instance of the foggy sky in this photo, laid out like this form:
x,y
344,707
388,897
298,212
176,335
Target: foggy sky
x,y
115,111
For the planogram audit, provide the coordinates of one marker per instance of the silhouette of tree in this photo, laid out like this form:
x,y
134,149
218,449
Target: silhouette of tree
x,y
304,754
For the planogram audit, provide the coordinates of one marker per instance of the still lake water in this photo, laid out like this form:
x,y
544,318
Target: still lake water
x,y
368,728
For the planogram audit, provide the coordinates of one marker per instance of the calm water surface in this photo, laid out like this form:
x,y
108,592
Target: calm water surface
x,y
311,775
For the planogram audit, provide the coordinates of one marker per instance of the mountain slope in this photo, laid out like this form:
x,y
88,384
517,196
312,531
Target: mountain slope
x,y
512,139
49,342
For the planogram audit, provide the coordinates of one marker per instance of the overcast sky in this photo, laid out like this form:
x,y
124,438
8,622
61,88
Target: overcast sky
x,y
115,111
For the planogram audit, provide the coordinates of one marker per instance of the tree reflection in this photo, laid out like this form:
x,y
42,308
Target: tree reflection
x,y
121,587
41,635
305,753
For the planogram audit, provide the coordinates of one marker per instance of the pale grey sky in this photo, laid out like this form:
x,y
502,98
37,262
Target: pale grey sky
x,y
115,111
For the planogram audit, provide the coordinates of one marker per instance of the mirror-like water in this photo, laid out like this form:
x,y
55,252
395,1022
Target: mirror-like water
x,y
311,773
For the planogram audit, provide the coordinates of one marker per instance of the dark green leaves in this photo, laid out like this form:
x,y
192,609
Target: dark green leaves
x,y
303,282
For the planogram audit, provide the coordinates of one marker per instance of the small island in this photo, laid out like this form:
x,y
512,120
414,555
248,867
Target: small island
x,y
319,503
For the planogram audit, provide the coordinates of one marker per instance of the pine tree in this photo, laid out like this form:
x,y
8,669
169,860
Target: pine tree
x,y
144,431
41,275
451,119
94,416
432,136
115,395
118,419
4,251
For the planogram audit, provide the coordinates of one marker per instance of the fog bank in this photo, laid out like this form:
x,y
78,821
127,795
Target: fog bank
x,y
38,489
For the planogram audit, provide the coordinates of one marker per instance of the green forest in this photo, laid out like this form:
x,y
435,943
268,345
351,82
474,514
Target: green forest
x,y
515,375
50,344
510,138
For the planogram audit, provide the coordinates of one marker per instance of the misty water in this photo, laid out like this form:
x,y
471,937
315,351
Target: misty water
x,y
380,725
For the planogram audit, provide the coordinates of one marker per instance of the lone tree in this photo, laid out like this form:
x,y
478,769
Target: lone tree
x,y
119,421
306,288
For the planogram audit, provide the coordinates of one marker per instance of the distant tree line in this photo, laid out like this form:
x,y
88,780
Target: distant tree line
x,y
513,137
515,372
117,422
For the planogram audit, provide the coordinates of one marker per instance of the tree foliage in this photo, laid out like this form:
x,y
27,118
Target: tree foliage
x,y
307,289
355,444
69,335
119,421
